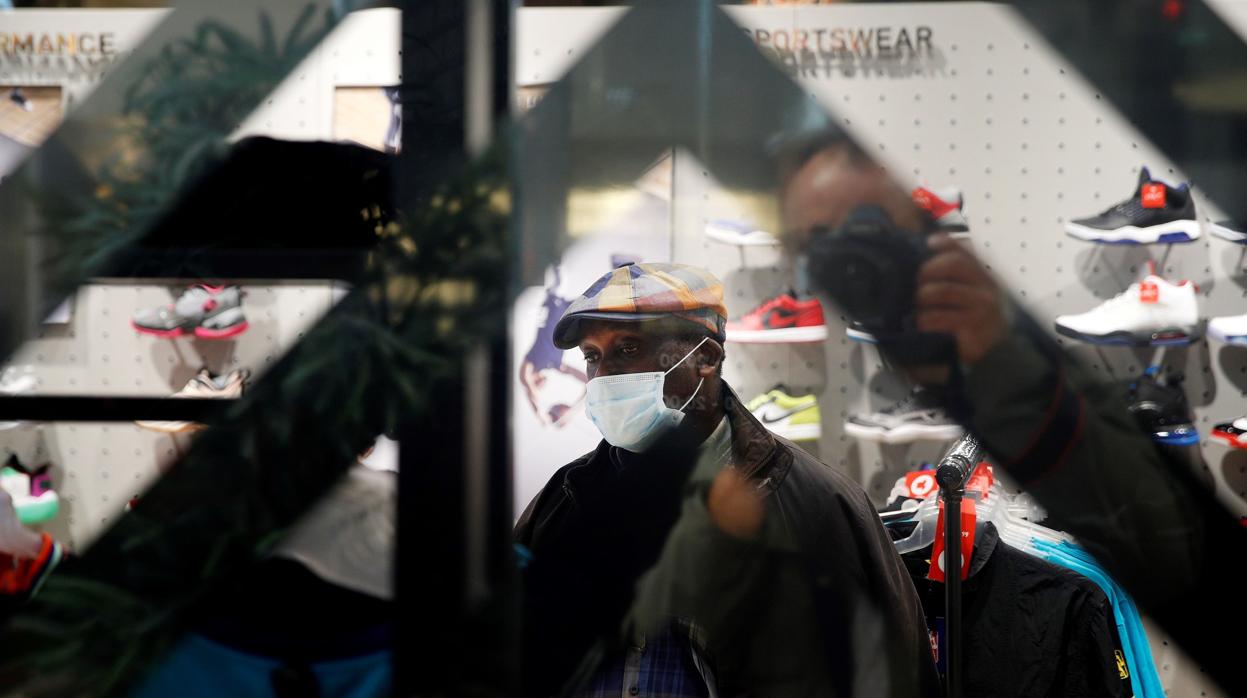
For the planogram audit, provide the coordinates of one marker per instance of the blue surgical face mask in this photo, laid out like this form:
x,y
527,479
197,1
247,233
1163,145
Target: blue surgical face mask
x,y
629,410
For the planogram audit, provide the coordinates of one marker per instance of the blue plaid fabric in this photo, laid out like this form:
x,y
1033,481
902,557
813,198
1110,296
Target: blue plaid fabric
x,y
663,668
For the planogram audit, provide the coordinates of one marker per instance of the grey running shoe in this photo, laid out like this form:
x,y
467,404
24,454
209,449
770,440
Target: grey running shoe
x,y
203,385
919,417
208,312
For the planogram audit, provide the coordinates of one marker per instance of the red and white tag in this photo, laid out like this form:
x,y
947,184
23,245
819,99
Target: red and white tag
x,y
1153,195
981,479
968,520
921,483
1149,292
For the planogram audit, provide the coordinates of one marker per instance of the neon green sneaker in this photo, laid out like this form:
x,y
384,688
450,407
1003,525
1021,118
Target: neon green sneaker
x,y
792,417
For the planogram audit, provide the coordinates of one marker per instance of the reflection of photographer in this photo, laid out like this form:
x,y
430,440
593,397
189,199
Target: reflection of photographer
x,y
1061,433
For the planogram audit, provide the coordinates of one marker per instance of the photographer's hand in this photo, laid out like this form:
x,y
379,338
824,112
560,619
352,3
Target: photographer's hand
x,y
958,296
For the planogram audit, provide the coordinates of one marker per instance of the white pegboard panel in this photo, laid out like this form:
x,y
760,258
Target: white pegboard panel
x,y
1179,675
549,40
364,50
97,468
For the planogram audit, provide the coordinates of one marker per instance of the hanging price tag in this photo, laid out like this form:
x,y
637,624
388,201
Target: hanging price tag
x,y
1149,292
1153,195
968,519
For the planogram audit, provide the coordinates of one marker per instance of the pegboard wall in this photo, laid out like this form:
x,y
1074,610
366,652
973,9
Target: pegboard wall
x,y
364,50
98,467
999,114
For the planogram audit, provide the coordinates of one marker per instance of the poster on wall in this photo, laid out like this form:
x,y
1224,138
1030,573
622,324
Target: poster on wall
x,y
28,116
549,425
369,116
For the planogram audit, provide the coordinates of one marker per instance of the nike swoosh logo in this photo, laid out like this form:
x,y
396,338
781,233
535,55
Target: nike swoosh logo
x,y
778,317
772,417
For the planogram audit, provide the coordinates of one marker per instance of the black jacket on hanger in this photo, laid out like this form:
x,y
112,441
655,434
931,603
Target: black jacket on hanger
x,y
1031,629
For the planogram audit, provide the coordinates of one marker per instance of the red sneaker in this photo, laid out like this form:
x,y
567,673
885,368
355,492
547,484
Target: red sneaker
x,y
944,206
781,319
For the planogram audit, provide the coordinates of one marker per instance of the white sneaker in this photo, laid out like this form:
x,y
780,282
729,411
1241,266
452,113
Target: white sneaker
x,y
203,385
1230,330
919,417
738,232
1228,230
1151,312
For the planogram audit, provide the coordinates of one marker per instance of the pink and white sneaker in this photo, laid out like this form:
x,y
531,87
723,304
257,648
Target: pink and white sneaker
x,y
208,312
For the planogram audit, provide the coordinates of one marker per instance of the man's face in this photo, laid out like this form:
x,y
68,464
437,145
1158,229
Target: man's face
x,y
829,185
615,348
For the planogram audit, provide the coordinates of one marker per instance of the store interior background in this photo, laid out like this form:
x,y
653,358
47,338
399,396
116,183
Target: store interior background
x,y
997,113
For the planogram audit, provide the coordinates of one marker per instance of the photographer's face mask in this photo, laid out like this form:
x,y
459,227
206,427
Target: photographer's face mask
x,y
629,409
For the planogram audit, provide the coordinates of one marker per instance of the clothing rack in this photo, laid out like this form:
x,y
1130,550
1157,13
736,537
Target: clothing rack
x,y
951,474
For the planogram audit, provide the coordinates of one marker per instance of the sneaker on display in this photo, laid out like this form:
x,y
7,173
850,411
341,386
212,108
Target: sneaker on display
x,y
780,319
16,97
203,385
738,232
857,332
1156,212
794,417
31,490
919,417
1161,408
945,207
15,381
1151,312
1229,230
208,312
1232,433
1230,330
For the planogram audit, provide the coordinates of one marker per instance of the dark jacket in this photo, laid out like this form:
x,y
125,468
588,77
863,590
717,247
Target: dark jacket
x,y
1032,629
1063,433
819,604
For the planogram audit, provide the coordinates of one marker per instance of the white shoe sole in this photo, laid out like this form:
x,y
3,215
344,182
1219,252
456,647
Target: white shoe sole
x,y
860,336
797,432
1227,233
1166,233
787,335
904,434
757,238
1173,335
1226,337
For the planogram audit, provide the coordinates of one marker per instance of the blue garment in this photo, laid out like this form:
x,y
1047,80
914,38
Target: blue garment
x,y
1134,626
1143,677
198,667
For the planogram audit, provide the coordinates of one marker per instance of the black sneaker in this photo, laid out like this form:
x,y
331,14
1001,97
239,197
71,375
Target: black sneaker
x,y
919,417
1156,213
1160,407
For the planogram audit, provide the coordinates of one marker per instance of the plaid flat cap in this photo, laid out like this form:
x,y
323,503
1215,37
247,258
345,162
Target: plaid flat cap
x,y
649,291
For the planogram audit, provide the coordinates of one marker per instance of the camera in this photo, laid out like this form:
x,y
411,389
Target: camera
x,y
869,269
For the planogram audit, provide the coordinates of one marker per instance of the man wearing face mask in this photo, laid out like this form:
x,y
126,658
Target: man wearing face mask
x,y
694,553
